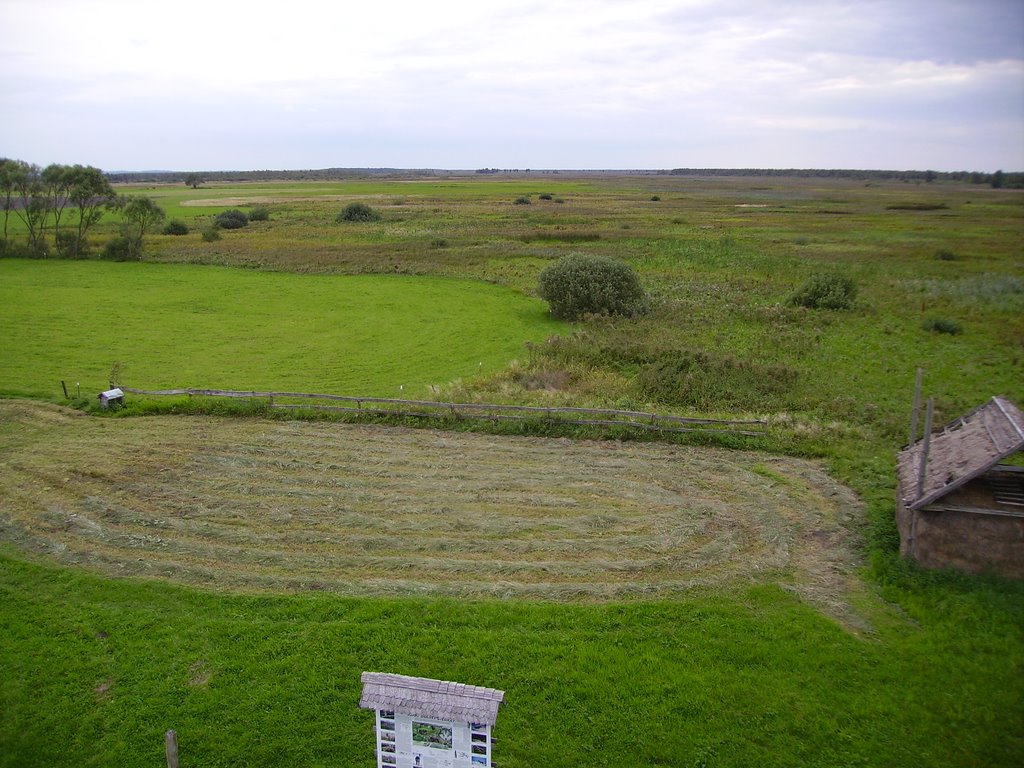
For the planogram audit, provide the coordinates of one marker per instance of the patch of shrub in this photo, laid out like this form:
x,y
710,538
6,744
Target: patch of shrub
x,y
701,380
175,227
559,200
943,325
118,249
562,237
944,254
655,198
438,242
545,196
259,213
579,284
211,234
917,207
68,246
357,212
233,219
826,291
522,200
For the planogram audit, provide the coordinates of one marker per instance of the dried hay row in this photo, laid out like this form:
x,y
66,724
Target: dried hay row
x,y
360,510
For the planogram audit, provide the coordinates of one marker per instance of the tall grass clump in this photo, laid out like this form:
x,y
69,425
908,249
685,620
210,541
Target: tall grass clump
x,y
578,285
826,291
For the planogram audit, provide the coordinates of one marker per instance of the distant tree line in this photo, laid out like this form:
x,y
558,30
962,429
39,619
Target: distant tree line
x,y
998,179
194,178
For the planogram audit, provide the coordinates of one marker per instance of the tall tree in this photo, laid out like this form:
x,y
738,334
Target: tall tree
x,y
32,205
56,184
140,214
8,183
89,192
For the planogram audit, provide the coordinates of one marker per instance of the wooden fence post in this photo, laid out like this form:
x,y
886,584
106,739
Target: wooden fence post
x,y
917,407
925,446
171,748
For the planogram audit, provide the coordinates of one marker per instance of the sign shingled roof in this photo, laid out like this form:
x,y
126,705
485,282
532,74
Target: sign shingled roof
x,y
963,450
436,699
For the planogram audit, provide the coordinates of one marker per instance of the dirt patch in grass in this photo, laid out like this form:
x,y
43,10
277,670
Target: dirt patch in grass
x,y
245,504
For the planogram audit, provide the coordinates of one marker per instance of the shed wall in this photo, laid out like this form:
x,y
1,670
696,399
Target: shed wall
x,y
967,541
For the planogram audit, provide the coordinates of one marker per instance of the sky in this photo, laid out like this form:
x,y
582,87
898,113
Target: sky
x,y
587,84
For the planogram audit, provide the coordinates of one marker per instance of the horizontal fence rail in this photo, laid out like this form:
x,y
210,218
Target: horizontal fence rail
x,y
388,406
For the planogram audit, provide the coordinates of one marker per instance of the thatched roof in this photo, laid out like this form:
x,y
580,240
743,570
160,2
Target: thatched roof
x,y
963,450
436,699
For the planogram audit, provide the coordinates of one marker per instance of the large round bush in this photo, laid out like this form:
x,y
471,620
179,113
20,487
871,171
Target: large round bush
x,y
358,212
233,219
578,285
826,291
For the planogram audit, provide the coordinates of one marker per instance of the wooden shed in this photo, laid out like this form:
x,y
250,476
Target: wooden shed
x,y
424,723
959,504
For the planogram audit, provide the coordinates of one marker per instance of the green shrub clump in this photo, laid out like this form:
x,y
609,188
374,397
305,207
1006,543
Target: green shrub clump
x,y
522,200
211,234
358,212
118,249
826,291
233,219
579,285
942,325
175,227
259,213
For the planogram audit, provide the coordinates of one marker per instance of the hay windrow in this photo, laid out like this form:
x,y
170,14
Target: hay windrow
x,y
244,504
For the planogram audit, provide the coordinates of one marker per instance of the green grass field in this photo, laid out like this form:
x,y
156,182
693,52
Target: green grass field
x,y
736,672
194,326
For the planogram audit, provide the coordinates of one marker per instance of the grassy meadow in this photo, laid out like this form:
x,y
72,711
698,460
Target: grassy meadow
x,y
122,615
195,326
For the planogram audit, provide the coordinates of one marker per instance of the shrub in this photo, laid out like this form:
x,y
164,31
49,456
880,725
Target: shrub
x,y
545,196
942,325
438,242
175,227
358,212
944,254
211,234
259,213
68,246
578,285
118,249
655,198
710,381
522,200
826,291
233,219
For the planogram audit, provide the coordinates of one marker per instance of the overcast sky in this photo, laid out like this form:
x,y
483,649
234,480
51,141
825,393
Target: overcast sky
x,y
212,84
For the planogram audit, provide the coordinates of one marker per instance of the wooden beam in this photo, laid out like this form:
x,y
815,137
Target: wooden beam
x,y
922,470
917,407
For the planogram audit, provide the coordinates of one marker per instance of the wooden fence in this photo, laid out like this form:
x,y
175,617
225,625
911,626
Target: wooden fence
x,y
386,406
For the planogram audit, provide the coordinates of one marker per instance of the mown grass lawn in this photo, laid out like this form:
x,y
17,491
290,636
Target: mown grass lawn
x,y
194,326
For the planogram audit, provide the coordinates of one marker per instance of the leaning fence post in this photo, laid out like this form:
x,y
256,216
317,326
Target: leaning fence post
x,y
925,446
171,748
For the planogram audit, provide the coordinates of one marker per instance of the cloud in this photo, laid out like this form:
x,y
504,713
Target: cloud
x,y
593,84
